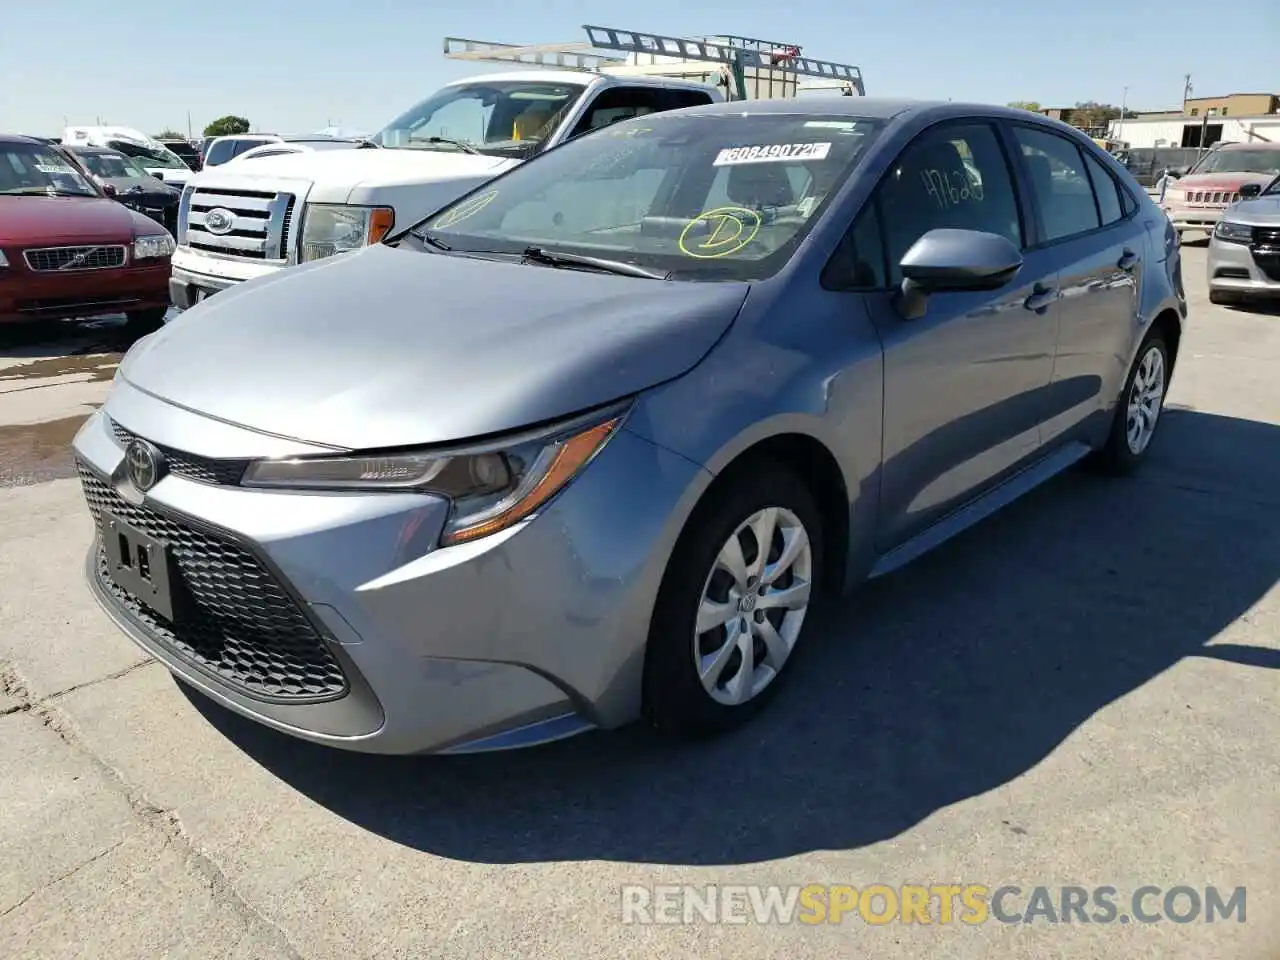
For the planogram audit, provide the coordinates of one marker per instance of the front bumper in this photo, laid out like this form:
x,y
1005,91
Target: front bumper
x,y
1232,268
526,636
27,296
196,275
1193,217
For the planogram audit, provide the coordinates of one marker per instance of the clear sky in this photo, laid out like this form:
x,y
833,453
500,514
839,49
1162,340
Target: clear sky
x,y
294,66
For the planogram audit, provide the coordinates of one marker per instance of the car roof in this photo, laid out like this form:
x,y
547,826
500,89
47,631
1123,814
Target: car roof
x,y
1249,146
871,108
22,138
80,148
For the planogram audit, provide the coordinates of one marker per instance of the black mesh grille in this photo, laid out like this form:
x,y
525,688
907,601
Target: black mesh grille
x,y
51,259
201,469
234,618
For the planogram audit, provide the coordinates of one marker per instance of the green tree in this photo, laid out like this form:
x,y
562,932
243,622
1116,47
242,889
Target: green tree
x,y
1090,113
1032,105
227,126
169,133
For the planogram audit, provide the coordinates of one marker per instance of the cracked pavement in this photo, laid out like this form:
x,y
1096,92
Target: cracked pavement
x,y
1081,691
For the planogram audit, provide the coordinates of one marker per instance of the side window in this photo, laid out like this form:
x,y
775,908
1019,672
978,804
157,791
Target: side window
x,y
953,176
621,103
1106,190
242,146
220,152
679,99
858,263
1059,183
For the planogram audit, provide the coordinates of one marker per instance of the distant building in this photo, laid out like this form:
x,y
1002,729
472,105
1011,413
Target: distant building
x,y
1204,121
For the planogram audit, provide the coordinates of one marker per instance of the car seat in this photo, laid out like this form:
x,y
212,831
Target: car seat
x,y
527,124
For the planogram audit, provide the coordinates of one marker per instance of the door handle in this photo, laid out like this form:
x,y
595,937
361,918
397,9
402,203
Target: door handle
x,y
1041,297
1128,260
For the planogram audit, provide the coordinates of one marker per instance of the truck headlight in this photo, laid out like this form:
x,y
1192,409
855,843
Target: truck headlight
x,y
1233,232
491,487
152,246
332,228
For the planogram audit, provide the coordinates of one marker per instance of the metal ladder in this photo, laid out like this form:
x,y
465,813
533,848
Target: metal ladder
x,y
738,54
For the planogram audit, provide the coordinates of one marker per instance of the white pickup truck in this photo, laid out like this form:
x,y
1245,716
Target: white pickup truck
x,y
244,220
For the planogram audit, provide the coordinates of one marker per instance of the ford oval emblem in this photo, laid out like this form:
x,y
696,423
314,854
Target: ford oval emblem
x,y
219,221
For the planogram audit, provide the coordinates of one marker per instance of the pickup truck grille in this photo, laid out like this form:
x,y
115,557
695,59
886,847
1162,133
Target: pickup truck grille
x,y
249,224
57,259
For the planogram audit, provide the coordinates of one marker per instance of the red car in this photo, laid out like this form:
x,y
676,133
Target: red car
x,y
67,250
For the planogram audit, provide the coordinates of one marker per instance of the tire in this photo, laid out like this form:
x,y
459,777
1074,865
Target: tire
x,y
675,699
145,321
1120,456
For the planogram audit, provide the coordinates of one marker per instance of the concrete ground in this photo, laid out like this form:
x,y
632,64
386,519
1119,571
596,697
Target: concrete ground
x,y
1083,691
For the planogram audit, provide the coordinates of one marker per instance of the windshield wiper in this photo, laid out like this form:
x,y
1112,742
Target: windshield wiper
x,y
427,238
45,192
538,255
460,144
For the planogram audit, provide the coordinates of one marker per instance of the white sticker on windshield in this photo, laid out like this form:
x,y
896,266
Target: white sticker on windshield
x,y
772,153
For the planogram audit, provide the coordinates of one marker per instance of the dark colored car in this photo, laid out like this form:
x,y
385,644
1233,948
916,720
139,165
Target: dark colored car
x,y
187,152
133,186
67,250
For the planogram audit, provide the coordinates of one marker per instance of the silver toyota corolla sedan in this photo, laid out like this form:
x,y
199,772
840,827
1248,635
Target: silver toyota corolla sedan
x,y
586,445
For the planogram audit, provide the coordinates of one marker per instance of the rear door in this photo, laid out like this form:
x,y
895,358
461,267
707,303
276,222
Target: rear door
x,y
1088,223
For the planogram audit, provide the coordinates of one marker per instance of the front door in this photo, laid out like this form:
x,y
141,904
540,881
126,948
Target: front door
x,y
966,384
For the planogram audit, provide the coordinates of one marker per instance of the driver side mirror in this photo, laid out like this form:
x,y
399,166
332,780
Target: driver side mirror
x,y
108,190
1250,190
948,260
1176,172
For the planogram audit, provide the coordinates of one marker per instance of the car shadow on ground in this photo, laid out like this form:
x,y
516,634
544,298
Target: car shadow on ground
x,y
938,683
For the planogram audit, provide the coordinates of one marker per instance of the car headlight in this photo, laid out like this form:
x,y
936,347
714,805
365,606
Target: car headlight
x,y
491,487
153,245
1233,232
330,228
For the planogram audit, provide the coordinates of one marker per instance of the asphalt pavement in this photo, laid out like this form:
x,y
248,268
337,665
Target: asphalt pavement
x,y
1083,691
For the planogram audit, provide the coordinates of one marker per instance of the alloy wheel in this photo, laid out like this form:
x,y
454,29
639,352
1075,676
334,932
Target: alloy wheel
x,y
1146,396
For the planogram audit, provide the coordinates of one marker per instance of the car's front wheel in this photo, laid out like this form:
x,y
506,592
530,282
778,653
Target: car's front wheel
x,y
733,603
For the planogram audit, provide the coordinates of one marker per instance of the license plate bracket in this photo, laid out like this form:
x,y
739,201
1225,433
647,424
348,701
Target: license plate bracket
x,y
140,564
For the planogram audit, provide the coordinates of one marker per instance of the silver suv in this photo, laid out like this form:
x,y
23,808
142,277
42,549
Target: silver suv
x,y
1244,254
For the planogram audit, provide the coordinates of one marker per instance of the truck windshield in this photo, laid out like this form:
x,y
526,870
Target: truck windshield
x,y
34,169
156,156
500,118
1240,161
695,197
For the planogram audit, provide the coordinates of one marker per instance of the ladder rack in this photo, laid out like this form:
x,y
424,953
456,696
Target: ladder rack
x,y
768,61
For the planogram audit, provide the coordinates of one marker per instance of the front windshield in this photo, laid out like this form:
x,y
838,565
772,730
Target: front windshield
x,y
501,118
35,169
701,197
1241,161
156,156
107,165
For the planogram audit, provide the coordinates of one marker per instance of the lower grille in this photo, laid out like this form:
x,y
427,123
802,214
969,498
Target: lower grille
x,y
235,621
200,469
59,259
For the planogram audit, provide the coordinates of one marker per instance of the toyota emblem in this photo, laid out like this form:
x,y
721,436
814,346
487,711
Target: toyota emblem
x,y
219,221
144,463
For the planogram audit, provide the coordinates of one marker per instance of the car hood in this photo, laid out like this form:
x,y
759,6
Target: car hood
x,y
33,221
368,167
148,186
391,347
1263,211
1221,181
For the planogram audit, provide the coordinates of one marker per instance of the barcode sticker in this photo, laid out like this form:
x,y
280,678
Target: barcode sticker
x,y
772,153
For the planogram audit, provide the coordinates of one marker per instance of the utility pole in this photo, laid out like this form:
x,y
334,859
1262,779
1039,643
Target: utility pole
x,y
189,137
1124,102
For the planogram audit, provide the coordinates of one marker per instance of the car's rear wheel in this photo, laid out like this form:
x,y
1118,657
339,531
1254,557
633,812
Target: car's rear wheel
x,y
1138,412
145,321
733,603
